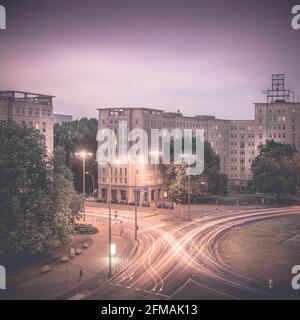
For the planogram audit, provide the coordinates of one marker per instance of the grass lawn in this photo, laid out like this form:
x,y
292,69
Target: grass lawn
x,y
22,270
265,250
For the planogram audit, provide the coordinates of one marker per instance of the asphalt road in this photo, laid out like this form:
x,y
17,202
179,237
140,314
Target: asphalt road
x,y
180,260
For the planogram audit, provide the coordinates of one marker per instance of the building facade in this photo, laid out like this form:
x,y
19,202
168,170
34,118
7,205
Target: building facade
x,y
61,118
29,110
235,141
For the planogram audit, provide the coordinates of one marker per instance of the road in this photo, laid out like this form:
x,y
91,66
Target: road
x,y
180,260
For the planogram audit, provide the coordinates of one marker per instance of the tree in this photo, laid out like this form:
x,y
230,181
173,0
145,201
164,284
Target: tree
x,y
211,181
276,169
78,135
38,204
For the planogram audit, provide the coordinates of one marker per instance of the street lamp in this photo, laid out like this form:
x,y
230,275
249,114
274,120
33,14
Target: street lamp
x,y
189,186
156,154
110,244
109,221
83,155
135,193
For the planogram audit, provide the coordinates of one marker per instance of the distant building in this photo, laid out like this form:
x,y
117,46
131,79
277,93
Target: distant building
x,y
60,118
30,110
235,141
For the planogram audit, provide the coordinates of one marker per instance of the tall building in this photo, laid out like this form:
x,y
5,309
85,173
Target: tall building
x,y
29,110
235,141
60,118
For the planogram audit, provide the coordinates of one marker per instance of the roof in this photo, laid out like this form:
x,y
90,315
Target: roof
x,y
26,93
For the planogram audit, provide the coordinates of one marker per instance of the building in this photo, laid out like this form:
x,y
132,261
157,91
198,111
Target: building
x,y
29,110
60,118
235,141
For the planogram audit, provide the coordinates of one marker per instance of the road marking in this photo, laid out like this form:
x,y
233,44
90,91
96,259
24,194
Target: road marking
x,y
201,285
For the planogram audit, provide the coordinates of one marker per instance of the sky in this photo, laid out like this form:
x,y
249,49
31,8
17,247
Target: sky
x,y
200,57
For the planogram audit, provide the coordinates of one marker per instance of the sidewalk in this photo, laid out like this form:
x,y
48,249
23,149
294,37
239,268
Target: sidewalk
x,y
64,277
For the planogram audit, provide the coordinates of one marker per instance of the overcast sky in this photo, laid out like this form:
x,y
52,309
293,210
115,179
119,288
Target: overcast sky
x,y
200,57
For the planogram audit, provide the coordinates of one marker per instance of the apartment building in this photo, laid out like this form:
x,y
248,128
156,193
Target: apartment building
x,y
29,110
61,118
235,141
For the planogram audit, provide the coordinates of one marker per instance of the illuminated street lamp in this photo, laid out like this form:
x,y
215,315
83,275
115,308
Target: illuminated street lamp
x,y
83,155
156,154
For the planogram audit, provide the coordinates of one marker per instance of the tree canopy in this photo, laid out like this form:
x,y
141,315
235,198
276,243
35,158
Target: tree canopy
x,y
38,203
276,169
74,136
211,181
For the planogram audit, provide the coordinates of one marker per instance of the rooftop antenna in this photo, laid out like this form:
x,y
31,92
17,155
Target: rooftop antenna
x,y
279,91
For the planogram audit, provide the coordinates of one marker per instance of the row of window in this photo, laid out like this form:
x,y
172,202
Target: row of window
x,y
33,111
242,161
116,180
242,152
234,168
117,171
273,110
242,128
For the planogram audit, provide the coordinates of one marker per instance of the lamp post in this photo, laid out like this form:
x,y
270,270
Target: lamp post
x,y
189,187
156,154
109,222
189,197
135,205
110,246
135,196
83,155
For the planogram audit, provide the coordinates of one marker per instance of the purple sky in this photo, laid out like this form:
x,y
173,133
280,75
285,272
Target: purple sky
x,y
200,57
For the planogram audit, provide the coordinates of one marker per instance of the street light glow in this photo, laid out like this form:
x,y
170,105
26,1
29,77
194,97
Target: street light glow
x,y
83,154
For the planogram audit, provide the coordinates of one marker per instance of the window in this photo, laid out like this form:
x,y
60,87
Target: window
x,y
44,127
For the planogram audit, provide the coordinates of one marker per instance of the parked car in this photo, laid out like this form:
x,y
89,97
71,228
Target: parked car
x,y
132,203
169,206
165,206
145,204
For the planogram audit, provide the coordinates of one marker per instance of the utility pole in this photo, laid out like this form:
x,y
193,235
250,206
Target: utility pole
x,y
109,222
83,185
189,197
156,185
135,205
83,155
